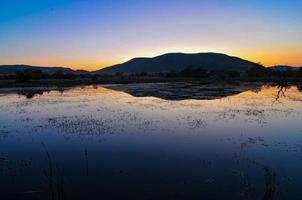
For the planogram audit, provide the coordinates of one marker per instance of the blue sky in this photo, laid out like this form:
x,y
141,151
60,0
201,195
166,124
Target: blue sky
x,y
91,34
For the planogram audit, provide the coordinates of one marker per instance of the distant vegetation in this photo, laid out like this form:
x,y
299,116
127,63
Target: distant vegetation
x,y
29,74
168,67
23,76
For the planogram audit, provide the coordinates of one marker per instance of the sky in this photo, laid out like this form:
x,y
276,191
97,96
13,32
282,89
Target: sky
x,y
92,34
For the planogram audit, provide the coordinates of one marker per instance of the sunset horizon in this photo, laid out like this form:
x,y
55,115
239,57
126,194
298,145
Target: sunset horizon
x,y
95,67
91,35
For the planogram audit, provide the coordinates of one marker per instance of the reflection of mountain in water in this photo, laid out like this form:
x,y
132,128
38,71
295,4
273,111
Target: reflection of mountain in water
x,y
183,91
171,91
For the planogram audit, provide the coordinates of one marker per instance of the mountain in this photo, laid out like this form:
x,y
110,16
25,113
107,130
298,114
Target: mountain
x,y
283,68
11,69
180,61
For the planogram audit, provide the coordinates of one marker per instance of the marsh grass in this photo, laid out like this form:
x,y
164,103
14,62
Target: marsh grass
x,y
55,179
270,189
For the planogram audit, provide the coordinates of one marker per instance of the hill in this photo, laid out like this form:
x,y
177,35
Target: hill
x,y
11,69
283,68
180,61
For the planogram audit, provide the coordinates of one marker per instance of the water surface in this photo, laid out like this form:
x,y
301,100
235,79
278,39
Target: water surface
x,y
151,141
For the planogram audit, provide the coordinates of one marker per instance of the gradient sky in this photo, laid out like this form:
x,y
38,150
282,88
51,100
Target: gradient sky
x,y
91,34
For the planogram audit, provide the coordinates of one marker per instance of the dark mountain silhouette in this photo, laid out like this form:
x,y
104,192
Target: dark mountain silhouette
x,y
180,61
284,68
11,69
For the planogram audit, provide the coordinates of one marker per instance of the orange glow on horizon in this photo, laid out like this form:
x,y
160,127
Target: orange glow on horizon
x,y
267,58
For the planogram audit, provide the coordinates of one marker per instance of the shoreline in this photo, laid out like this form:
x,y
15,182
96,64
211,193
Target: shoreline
x,y
83,82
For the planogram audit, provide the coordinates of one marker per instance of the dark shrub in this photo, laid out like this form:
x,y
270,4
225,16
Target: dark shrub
x,y
144,74
58,74
22,77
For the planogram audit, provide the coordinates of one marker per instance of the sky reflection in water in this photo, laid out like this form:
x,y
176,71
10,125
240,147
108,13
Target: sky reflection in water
x,y
91,142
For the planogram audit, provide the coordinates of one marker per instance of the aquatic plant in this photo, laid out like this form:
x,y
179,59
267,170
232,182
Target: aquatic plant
x,y
270,184
55,179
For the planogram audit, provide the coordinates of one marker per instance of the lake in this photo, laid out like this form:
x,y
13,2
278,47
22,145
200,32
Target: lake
x,y
151,141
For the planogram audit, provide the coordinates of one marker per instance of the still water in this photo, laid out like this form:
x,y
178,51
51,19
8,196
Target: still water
x,y
151,141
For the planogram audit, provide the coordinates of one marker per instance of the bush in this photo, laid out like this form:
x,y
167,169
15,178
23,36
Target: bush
x,y
257,71
58,74
144,74
22,77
